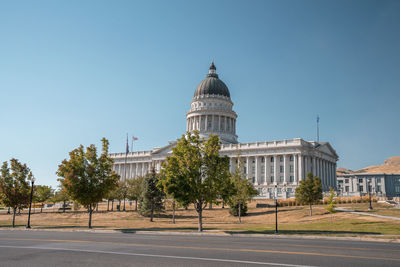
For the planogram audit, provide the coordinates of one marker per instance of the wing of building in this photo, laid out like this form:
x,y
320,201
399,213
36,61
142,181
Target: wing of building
x,y
280,163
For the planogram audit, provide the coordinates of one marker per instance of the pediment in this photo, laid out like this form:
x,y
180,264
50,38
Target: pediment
x,y
165,149
327,149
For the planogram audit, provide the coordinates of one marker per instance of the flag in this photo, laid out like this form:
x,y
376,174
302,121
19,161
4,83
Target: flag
x,y
134,138
317,118
127,146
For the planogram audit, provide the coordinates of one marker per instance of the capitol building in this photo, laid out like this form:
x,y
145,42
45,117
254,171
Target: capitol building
x,y
269,164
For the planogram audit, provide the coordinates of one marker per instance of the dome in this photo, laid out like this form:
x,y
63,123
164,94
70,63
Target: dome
x,y
212,85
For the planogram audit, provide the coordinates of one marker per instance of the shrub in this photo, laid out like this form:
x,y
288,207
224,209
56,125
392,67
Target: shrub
x,y
234,210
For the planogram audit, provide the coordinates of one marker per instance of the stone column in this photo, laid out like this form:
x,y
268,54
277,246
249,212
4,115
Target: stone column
x,y
285,170
225,122
295,168
314,166
329,173
334,176
266,168
276,169
301,175
257,167
206,123
247,167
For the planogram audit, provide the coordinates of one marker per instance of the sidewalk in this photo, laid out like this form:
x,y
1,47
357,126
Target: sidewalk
x,y
368,214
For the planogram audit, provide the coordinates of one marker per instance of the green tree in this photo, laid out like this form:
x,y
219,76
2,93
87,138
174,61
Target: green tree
x,y
120,193
151,199
88,178
331,202
134,189
242,191
61,196
15,186
195,172
309,191
42,194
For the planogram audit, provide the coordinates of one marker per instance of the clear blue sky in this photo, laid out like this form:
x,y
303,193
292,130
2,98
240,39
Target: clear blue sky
x,y
72,72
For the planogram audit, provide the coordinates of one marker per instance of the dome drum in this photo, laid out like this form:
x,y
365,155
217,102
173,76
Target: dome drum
x,y
211,109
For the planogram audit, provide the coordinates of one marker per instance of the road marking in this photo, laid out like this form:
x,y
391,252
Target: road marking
x,y
159,256
205,248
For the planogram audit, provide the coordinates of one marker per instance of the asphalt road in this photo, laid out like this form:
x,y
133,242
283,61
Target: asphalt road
x,y
53,248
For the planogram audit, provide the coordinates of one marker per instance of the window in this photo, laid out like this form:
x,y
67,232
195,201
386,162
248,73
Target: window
x,y
291,168
281,158
291,179
262,159
360,180
397,189
281,169
281,179
244,169
346,181
262,170
253,180
272,179
279,190
361,188
378,180
289,190
253,169
270,190
272,159
272,169
347,188
291,158
254,161
378,188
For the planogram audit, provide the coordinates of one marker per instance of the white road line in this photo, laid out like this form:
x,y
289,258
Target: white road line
x,y
157,256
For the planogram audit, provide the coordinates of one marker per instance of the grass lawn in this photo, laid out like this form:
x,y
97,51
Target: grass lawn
x,y
292,220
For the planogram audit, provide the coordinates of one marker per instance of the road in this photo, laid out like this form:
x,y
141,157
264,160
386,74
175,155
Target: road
x,y
56,248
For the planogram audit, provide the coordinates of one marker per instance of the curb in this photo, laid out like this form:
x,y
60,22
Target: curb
x,y
388,239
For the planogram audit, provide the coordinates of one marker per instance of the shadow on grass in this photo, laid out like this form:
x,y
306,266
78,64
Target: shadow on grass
x,y
68,227
272,211
303,232
160,229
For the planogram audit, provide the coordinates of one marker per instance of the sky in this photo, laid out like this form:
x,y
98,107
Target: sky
x,y
72,72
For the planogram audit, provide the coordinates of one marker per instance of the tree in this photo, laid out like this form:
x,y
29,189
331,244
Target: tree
x,y
134,189
151,199
61,196
309,191
242,191
88,178
195,172
42,194
15,186
331,202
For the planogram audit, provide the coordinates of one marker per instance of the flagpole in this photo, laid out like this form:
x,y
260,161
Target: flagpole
x,y
317,128
126,157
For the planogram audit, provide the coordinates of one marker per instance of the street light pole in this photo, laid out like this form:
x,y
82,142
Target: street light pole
x,y
276,209
369,193
28,226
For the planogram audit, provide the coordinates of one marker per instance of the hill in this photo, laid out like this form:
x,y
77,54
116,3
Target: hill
x,y
391,165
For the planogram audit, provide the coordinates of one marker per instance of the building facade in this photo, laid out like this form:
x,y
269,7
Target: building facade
x,y
359,184
270,164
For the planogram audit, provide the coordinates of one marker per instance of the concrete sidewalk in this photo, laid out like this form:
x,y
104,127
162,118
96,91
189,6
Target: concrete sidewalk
x,y
368,214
